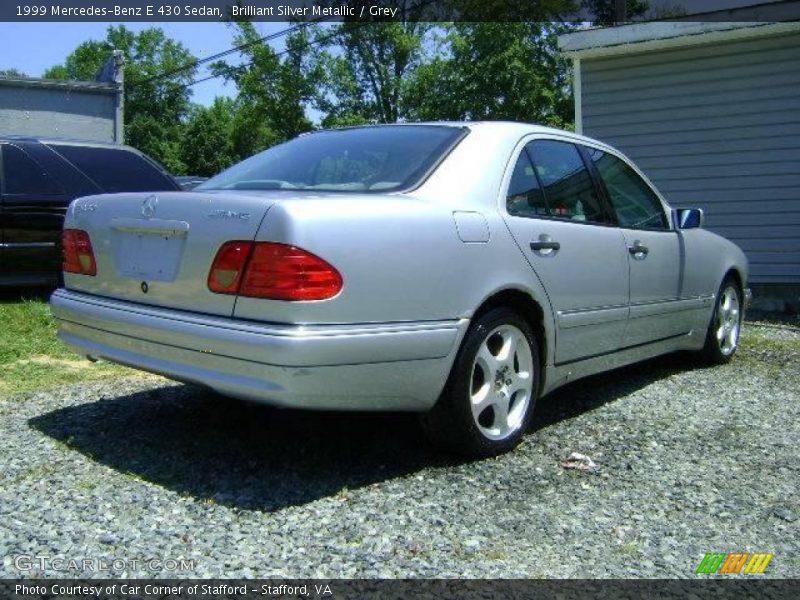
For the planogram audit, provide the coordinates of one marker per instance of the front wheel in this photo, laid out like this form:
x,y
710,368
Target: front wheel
x,y
489,397
722,338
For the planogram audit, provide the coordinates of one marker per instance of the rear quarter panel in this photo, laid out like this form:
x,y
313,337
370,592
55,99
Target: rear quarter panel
x,y
400,257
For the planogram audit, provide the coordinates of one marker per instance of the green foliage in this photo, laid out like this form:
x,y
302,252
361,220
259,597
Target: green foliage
x,y
273,90
12,73
510,71
365,69
350,73
32,357
206,146
413,70
604,11
87,59
154,110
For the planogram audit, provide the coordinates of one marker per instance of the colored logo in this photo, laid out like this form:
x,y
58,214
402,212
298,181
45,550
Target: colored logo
x,y
734,562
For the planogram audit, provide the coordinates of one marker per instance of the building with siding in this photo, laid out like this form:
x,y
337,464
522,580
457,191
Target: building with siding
x,y
87,110
711,113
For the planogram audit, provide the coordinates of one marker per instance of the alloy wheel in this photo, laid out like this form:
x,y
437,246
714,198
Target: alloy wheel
x,y
502,382
728,321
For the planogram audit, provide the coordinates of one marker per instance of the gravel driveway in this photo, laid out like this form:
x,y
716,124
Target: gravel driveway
x,y
688,460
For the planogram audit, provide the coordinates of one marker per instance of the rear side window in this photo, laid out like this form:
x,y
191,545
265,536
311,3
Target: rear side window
x,y
567,185
525,198
116,170
23,175
635,203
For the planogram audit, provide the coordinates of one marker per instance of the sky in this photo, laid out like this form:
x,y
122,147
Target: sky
x,y
34,47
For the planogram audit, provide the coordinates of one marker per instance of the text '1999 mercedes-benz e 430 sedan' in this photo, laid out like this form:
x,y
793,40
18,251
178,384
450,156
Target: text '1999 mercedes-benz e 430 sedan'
x,y
459,270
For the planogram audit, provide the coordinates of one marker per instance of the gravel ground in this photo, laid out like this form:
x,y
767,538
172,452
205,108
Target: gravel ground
x,y
688,460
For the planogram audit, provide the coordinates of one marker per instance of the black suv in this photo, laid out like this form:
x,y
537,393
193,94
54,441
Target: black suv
x,y
38,180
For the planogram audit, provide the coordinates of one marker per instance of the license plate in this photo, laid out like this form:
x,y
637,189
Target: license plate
x,y
149,256
149,249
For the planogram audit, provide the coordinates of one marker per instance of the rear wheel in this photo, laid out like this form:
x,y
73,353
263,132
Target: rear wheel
x,y
722,338
487,403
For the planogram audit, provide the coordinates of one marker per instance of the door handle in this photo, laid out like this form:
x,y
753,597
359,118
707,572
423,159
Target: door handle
x,y
545,245
638,249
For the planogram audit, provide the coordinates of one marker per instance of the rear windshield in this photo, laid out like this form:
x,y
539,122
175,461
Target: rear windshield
x,y
116,170
368,159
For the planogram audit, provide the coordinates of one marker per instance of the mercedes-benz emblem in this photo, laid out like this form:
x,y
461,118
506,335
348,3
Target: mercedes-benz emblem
x,y
149,206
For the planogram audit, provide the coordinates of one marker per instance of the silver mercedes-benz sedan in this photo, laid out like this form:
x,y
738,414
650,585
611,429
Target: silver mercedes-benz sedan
x,y
460,270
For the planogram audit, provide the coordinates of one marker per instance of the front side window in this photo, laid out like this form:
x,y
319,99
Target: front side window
x,y
23,175
568,188
362,159
116,170
635,203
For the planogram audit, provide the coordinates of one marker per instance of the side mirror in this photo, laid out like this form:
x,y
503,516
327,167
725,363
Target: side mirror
x,y
689,218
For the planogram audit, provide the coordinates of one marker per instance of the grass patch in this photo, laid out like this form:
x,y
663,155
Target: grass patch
x,y
762,349
33,358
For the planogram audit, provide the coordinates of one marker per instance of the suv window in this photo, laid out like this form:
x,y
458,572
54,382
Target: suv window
x,y
116,170
635,203
23,175
524,197
567,185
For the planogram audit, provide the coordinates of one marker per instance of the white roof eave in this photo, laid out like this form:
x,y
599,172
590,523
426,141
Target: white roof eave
x,y
645,37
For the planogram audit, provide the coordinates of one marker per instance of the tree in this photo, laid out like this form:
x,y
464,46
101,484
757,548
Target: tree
x,y
505,64
274,90
605,12
12,73
494,70
207,138
366,66
154,106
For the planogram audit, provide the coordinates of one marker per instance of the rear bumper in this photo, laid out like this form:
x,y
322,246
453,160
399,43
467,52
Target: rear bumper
x,y
388,366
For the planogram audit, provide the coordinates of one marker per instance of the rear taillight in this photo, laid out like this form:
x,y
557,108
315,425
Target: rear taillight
x,y
228,266
274,271
77,251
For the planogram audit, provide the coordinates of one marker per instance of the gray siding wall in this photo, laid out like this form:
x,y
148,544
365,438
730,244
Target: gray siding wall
x,y
41,111
715,126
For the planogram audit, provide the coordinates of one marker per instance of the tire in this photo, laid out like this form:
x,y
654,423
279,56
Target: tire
x,y
722,338
497,372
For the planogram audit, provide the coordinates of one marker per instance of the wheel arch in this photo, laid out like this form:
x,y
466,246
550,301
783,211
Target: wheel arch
x,y
737,275
532,311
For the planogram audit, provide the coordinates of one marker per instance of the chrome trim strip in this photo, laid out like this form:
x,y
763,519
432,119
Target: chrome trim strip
x,y
661,307
153,226
28,245
267,343
595,316
609,314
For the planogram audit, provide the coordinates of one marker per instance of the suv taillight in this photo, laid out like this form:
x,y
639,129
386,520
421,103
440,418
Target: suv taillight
x,y
77,253
274,271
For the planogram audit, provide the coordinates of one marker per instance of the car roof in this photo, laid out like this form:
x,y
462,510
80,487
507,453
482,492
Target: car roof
x,y
61,140
507,127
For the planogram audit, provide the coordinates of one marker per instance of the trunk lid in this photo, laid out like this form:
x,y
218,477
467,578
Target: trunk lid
x,y
158,248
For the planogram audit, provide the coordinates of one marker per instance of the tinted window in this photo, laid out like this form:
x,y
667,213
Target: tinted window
x,y
23,175
525,198
633,200
367,159
116,170
568,188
